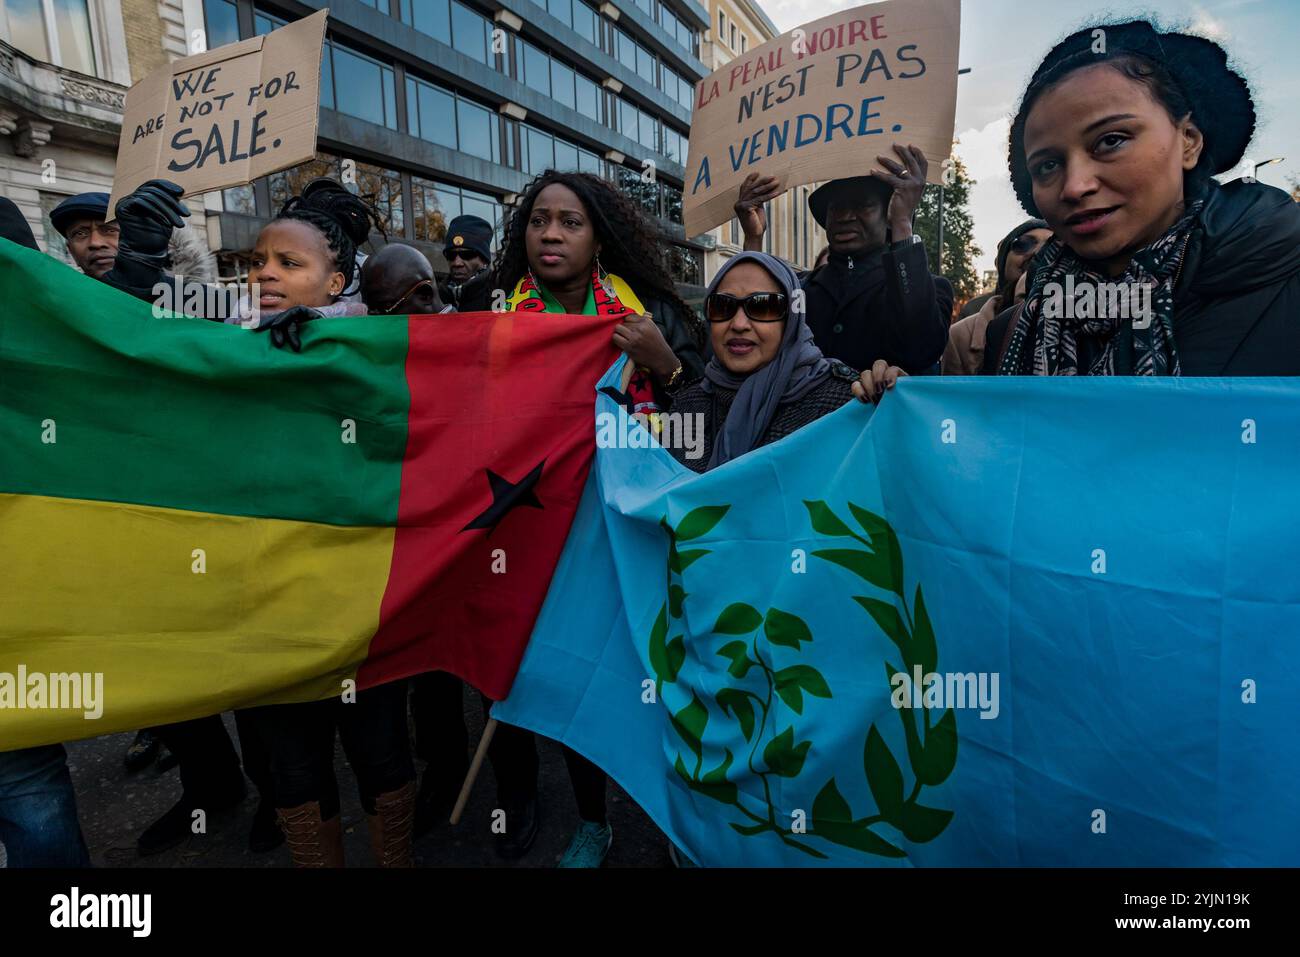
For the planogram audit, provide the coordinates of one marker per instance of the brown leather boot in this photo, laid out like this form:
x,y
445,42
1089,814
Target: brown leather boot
x,y
312,842
391,825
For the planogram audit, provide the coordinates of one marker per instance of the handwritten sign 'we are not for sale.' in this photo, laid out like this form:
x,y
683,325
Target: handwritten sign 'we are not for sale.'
x,y
823,101
226,116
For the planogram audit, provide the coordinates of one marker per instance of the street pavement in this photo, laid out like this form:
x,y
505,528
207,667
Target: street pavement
x,y
116,806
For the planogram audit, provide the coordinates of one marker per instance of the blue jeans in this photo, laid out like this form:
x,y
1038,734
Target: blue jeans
x,y
38,809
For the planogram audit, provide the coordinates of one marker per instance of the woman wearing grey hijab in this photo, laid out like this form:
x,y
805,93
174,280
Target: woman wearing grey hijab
x,y
766,378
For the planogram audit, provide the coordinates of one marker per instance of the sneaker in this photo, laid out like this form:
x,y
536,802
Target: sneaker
x,y
678,858
522,825
589,846
142,750
176,825
265,834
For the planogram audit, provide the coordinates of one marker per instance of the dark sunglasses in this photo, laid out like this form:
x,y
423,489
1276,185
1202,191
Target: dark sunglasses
x,y
465,254
422,284
1023,244
758,306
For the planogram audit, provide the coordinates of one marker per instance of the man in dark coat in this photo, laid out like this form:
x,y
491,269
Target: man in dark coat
x,y
468,251
875,298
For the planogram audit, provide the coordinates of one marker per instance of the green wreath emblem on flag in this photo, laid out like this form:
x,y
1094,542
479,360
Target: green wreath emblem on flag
x,y
753,641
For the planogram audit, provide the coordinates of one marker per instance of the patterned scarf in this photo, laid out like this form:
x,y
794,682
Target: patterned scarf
x,y
608,295
1043,344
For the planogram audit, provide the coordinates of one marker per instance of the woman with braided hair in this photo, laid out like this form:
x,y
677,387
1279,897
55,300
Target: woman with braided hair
x,y
1114,145
306,259
576,245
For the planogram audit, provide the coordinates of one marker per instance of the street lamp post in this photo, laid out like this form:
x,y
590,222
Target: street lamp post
x,y
938,259
1254,174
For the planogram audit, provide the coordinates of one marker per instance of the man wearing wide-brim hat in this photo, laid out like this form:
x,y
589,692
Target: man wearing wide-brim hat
x,y
875,299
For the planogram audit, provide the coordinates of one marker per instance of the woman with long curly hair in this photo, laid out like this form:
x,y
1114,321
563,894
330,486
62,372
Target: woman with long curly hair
x,y
576,245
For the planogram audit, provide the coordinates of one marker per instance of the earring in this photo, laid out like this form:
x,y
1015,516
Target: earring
x,y
603,278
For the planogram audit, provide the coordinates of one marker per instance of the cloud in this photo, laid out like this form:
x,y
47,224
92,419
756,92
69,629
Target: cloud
x,y
788,14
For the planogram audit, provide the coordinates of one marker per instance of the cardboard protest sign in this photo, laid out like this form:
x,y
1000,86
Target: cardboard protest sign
x,y
823,101
226,116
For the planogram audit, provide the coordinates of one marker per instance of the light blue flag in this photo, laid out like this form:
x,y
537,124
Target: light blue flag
x,y
1097,583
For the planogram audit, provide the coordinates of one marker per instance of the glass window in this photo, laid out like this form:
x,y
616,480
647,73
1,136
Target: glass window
x,y
589,98
382,189
672,203
363,88
566,155
239,199
290,182
722,24
669,22
432,114
433,209
434,18
327,77
537,69
390,99
590,163
471,204
584,22
685,36
539,149
562,89
627,119
744,43
478,131
264,23
27,27
626,49
221,21
468,32
649,132
646,6
686,93
645,64
732,44
562,10
404,11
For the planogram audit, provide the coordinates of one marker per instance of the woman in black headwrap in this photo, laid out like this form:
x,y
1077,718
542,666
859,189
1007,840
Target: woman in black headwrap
x,y
1114,145
766,378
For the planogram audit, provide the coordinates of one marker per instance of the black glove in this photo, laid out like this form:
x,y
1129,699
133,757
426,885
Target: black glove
x,y
145,221
285,326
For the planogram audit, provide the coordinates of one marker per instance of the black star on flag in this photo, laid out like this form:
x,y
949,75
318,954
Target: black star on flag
x,y
507,495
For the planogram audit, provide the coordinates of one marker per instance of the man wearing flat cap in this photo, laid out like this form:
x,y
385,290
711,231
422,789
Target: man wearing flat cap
x,y
468,251
875,297
83,223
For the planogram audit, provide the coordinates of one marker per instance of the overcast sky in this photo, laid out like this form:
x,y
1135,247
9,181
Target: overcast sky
x,y
1002,41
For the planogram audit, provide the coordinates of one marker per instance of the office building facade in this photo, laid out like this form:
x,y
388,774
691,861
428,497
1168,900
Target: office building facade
x,y
435,108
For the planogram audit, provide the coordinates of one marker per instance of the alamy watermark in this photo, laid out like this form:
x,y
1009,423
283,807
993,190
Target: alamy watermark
x,y
1103,300
641,430
58,691
972,689
204,300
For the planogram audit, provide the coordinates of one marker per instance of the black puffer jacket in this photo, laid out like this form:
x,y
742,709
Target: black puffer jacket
x,y
1237,299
